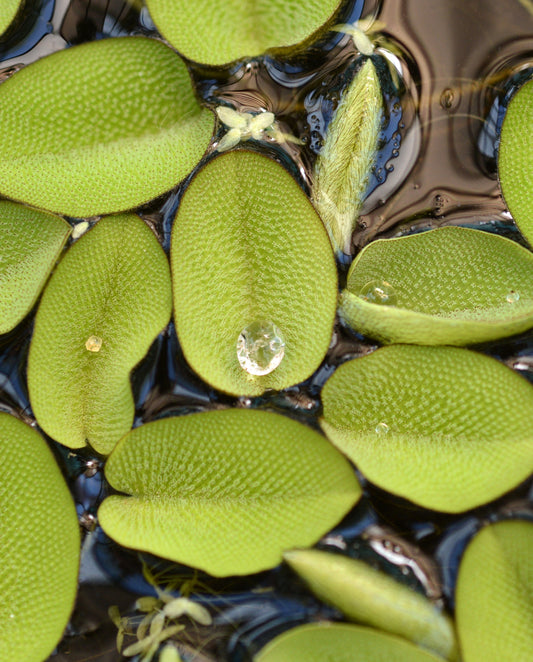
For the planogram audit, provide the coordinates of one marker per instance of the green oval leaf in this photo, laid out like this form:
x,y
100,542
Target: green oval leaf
x,y
515,161
107,126
451,286
39,546
440,426
343,166
342,643
247,247
371,597
8,11
30,244
225,491
104,305
216,32
494,594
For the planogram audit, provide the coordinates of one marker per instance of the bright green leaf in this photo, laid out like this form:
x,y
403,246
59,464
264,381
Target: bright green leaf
x,y
515,159
366,595
39,546
451,286
101,127
216,32
30,243
225,491
343,166
318,642
494,594
447,428
104,305
8,11
247,247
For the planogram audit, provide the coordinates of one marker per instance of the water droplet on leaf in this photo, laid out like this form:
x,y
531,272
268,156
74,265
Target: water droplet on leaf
x,y
260,347
512,297
93,344
379,291
382,428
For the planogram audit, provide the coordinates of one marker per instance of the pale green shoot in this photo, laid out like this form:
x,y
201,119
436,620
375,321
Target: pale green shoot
x,y
363,38
243,126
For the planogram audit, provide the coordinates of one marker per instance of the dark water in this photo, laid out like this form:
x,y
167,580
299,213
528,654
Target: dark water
x,y
447,70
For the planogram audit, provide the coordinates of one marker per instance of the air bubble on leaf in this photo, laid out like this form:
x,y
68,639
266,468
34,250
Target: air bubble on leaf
x,y
260,347
512,296
380,292
382,428
93,344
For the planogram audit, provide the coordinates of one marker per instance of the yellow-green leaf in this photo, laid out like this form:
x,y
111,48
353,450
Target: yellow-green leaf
x,y
100,128
451,286
494,594
8,11
104,305
30,243
39,546
447,428
225,491
248,248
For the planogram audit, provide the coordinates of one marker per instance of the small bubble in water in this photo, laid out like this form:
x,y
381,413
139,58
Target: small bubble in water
x,y
382,428
93,344
379,291
260,347
512,297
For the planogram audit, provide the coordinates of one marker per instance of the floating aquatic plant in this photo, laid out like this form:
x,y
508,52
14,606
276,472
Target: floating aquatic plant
x,y
8,12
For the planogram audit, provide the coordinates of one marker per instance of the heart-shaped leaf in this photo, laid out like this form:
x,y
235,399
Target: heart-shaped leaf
x,y
225,491
494,594
251,264
216,32
371,597
39,546
451,286
317,642
440,426
101,127
515,159
104,305
30,243
8,11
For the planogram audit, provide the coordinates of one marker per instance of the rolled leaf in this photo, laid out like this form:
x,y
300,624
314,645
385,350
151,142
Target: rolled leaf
x,y
8,11
30,244
343,167
106,302
437,425
451,286
494,594
39,546
248,248
515,159
317,642
366,595
225,491
100,128
216,32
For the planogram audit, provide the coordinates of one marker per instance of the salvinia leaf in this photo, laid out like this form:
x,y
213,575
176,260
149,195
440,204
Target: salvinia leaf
x,y
437,425
225,491
216,32
494,594
371,597
39,546
515,160
343,166
317,642
100,127
8,11
30,243
451,286
247,248
102,308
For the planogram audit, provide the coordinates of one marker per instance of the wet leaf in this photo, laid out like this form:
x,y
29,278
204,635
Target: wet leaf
x,y
104,305
107,126
317,642
494,594
30,243
515,162
366,595
440,426
216,32
451,286
39,546
247,248
225,491
8,11
343,166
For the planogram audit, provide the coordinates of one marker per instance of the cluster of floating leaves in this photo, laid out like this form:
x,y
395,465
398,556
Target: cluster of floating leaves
x,y
254,310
